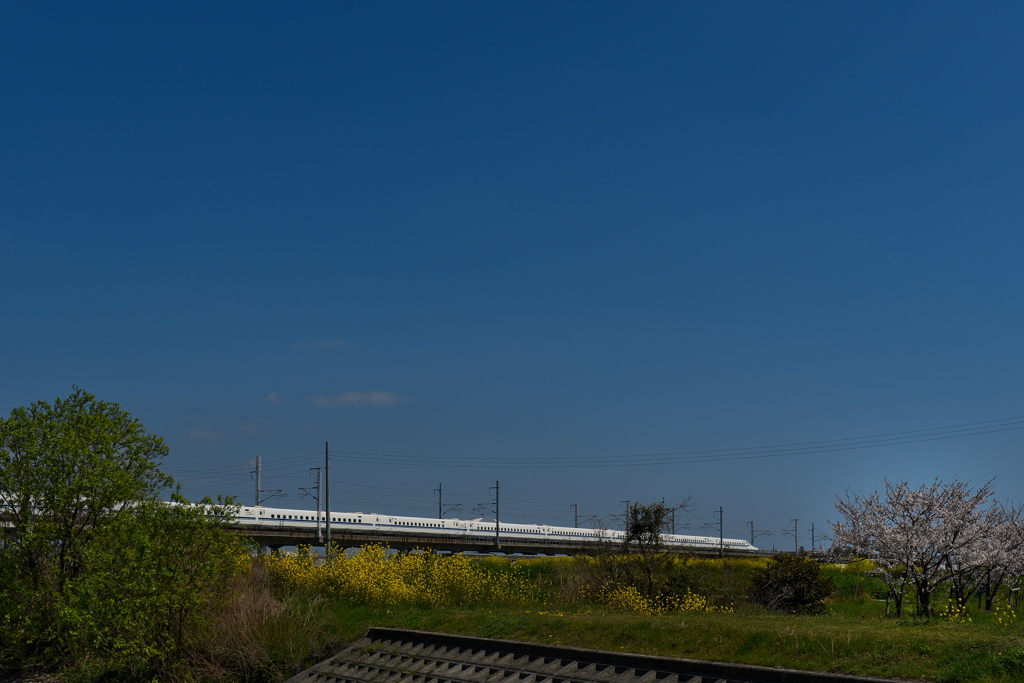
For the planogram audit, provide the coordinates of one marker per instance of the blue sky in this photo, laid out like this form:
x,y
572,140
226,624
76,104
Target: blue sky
x,y
494,237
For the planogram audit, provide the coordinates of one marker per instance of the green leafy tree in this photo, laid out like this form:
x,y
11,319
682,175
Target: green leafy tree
x,y
68,470
791,583
644,524
646,559
157,578
95,571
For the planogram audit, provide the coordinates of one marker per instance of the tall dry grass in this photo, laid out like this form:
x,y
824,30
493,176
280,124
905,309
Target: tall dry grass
x,y
261,633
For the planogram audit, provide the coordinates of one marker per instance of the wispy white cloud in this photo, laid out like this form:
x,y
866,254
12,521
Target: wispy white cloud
x,y
354,397
273,397
325,344
251,428
204,434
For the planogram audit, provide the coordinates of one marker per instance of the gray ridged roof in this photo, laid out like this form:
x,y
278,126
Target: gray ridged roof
x,y
398,656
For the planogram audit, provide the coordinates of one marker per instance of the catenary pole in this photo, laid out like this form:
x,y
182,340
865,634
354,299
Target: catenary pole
x,y
319,499
497,515
327,494
721,533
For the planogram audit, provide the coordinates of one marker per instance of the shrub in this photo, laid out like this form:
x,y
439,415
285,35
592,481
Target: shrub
x,y
97,576
156,579
791,583
377,577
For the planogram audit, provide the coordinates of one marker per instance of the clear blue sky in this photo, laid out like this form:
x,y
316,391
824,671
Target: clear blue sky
x,y
504,234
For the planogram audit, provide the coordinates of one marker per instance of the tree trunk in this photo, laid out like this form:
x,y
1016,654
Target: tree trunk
x,y
924,599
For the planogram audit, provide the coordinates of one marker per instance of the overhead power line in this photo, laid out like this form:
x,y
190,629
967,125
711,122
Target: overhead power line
x,y
711,455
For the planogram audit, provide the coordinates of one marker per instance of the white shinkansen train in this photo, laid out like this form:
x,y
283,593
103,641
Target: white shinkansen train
x,y
267,518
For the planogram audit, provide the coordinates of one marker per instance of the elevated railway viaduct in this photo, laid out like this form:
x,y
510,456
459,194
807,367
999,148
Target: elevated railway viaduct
x,y
276,538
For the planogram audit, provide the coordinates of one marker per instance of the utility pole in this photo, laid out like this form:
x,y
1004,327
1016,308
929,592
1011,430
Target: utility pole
x,y
673,521
796,537
259,484
319,498
440,507
812,538
327,498
754,533
576,515
721,534
497,514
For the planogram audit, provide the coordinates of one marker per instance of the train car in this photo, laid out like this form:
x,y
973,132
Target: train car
x,y
306,520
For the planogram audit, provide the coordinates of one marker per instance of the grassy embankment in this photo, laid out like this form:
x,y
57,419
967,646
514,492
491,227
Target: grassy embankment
x,y
589,603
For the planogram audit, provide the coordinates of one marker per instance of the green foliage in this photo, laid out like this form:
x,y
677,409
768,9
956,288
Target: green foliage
x,y
854,585
68,471
96,574
1012,661
156,578
642,541
791,583
643,527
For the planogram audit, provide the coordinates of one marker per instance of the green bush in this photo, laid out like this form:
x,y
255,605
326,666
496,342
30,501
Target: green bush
x,y
791,583
156,579
97,576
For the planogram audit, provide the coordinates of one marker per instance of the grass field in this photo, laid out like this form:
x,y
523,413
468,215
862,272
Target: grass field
x,y
557,601
832,642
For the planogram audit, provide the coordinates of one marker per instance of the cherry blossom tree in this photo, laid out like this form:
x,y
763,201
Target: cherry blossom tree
x,y
996,559
920,537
